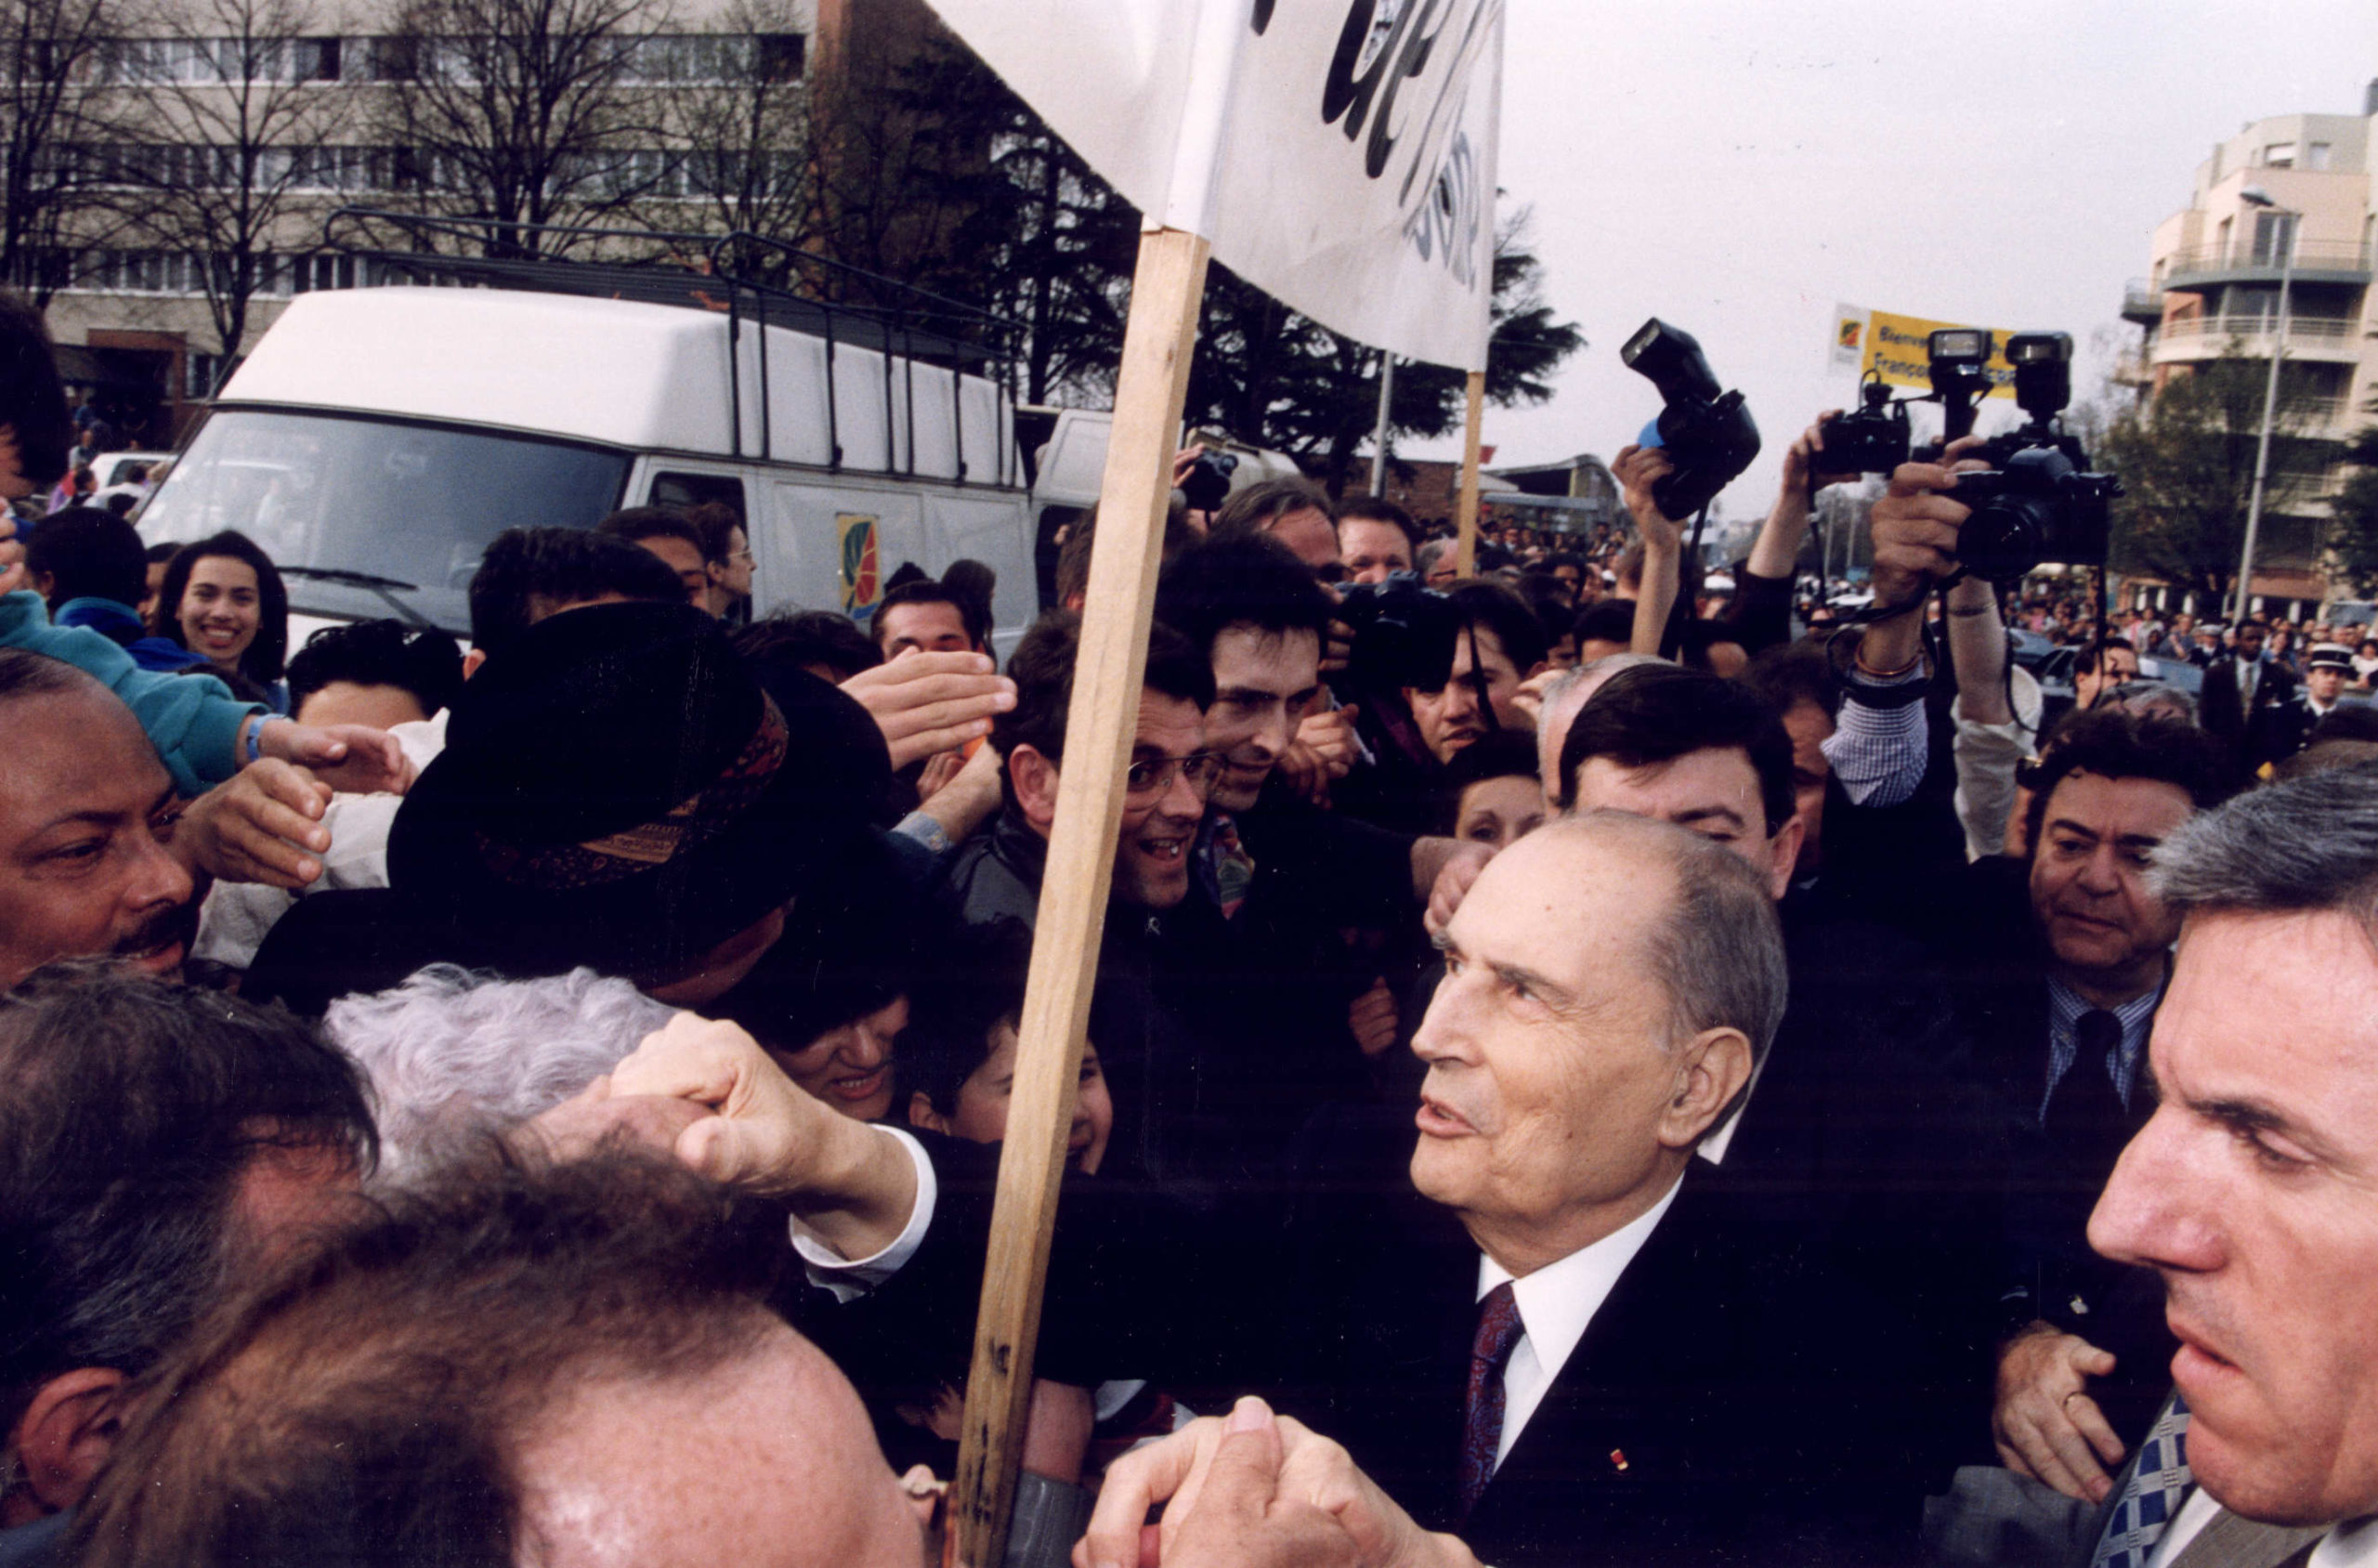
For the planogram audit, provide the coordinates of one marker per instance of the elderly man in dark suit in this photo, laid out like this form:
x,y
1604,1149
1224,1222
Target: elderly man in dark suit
x,y
2249,1192
1563,1340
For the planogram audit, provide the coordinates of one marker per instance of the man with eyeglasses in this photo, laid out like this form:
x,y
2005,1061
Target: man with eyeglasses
x,y
1287,1009
994,878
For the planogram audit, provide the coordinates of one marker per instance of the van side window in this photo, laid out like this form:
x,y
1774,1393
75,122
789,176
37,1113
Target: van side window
x,y
699,490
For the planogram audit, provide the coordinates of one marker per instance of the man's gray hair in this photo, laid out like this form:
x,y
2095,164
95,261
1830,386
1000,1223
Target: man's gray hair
x,y
1719,951
2309,844
455,1056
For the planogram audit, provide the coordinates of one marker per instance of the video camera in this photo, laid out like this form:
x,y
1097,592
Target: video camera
x,y
1873,440
1708,435
1207,485
2040,502
1404,635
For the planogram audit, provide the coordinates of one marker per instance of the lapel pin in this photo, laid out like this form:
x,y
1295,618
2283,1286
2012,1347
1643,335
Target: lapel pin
x,y
1618,1458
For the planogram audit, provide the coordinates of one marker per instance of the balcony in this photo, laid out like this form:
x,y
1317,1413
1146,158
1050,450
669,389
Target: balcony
x,y
2322,339
2142,303
2317,261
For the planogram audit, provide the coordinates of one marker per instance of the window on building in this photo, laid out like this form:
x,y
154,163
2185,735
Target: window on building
x,y
2280,155
202,375
782,55
2316,155
2273,232
392,59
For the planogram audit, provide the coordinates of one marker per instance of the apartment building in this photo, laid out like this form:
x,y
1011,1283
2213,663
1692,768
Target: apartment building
x,y
227,134
2295,195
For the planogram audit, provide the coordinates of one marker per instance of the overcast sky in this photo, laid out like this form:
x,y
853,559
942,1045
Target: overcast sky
x,y
1737,167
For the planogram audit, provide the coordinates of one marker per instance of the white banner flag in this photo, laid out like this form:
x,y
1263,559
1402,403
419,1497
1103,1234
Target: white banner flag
x,y
1355,171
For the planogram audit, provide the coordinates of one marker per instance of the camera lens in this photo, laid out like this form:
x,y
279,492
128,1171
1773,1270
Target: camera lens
x,y
2008,537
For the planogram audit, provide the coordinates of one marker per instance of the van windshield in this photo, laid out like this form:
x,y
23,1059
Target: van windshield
x,y
373,518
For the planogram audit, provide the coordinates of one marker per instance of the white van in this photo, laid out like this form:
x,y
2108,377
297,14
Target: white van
x,y
377,439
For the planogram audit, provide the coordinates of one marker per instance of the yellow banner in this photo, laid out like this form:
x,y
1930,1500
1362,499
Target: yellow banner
x,y
1894,347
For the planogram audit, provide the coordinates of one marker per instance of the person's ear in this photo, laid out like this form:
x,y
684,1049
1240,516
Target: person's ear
x,y
472,661
1786,849
1711,1069
66,1433
921,1113
45,584
1035,777
1540,667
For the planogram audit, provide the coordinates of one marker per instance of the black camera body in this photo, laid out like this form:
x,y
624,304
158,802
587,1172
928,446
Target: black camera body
x,y
1707,433
1208,483
2040,502
1404,635
1873,440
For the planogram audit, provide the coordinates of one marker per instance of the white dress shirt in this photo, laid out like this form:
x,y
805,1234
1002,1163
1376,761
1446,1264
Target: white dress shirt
x,y
1556,1304
848,1279
2197,1510
2353,1544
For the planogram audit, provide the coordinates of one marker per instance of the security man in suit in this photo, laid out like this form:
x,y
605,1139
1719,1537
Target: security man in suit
x,y
2250,701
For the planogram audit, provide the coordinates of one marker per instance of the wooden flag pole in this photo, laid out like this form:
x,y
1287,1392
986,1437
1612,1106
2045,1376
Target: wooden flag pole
x,y
1125,553
1465,551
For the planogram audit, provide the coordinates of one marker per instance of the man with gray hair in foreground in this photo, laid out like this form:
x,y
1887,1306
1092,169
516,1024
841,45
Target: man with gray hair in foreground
x,y
456,1057
2252,1190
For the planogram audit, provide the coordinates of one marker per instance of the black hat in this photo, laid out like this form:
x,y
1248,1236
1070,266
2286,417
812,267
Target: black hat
x,y
850,946
618,791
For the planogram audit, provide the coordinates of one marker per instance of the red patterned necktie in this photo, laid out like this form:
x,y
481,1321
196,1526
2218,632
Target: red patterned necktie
x,y
1482,1425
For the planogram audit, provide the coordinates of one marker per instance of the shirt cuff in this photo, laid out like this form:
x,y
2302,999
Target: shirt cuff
x,y
849,1279
924,831
1879,752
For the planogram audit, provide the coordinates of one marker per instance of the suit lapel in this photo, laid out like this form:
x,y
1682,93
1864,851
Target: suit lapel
x,y
2233,1542
1606,1433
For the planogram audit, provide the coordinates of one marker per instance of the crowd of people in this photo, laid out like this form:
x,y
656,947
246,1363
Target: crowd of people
x,y
1581,1069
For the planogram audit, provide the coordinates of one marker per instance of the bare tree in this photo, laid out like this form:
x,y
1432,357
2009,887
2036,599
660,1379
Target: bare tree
x,y
528,112
240,121
739,117
50,54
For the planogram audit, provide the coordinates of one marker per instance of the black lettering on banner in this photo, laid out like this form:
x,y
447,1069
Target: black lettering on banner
x,y
1441,189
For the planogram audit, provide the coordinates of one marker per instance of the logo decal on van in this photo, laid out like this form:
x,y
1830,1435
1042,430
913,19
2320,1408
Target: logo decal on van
x,y
862,577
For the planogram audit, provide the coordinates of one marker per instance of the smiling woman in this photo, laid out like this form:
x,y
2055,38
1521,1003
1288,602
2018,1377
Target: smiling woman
x,y
221,597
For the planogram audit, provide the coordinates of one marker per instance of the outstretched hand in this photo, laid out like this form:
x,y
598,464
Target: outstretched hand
x,y
262,825
351,759
1636,470
930,702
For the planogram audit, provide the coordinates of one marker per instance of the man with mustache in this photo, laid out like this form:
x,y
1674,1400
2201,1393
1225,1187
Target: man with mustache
x,y
98,855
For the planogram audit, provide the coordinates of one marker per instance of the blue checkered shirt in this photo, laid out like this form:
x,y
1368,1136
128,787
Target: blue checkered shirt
x,y
2064,1010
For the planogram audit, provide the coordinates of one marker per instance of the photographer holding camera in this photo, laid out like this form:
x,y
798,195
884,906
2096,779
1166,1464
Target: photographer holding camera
x,y
2062,957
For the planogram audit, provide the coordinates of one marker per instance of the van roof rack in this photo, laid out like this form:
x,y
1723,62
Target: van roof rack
x,y
769,281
